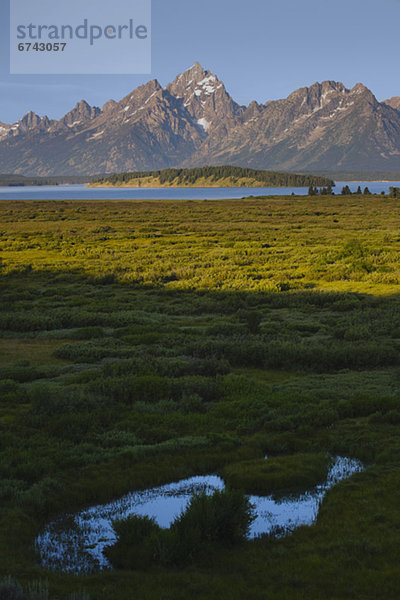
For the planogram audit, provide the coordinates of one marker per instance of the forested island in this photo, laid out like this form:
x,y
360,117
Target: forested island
x,y
224,176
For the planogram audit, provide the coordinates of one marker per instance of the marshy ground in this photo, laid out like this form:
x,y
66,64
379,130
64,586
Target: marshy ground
x,y
145,342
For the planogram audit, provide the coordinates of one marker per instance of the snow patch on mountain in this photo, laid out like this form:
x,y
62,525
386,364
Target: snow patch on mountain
x,y
150,97
95,135
204,124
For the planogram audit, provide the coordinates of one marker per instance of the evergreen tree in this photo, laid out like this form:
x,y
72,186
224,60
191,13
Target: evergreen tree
x,y
359,190
367,192
346,191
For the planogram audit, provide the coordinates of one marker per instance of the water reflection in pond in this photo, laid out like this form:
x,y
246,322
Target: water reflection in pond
x,y
75,543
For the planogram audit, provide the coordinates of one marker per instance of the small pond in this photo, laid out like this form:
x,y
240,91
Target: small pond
x,y
74,543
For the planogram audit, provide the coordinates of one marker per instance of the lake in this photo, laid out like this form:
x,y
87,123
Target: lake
x,y
80,192
75,543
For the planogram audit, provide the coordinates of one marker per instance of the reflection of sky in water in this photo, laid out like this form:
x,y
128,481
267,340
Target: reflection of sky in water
x,y
74,543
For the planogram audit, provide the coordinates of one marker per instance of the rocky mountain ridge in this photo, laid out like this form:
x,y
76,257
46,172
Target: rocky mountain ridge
x,y
193,121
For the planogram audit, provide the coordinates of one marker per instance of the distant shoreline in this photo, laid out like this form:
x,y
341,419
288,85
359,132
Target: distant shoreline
x,y
200,186
255,185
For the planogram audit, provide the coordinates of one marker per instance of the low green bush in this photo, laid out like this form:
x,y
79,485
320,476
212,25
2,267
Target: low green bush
x,y
207,523
86,333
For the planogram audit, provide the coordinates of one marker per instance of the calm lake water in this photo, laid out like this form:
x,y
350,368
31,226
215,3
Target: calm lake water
x,y
80,192
74,543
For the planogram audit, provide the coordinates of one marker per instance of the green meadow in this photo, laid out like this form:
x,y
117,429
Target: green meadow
x,y
146,341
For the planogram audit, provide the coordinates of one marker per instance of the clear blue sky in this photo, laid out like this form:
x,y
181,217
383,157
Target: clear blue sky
x,y
261,49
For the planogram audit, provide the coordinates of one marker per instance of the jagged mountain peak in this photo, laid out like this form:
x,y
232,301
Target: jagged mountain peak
x,y
109,105
193,73
136,104
330,85
393,102
147,88
318,94
126,111
80,114
254,109
322,93
204,96
82,104
30,119
196,67
197,70
361,90
194,81
140,94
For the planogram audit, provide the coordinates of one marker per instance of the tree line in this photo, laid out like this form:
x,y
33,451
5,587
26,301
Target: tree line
x,y
191,176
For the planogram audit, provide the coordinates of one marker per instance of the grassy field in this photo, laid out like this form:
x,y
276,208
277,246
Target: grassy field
x,y
142,342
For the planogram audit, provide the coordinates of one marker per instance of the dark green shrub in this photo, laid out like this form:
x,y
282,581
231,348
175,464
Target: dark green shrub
x,y
223,517
146,388
11,392
92,351
87,333
204,387
49,399
252,318
364,406
134,548
39,496
192,403
207,523
26,374
11,489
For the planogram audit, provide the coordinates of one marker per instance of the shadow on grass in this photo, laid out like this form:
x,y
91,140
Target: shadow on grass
x,y
158,384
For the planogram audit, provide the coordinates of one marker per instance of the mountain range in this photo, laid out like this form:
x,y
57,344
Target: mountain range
x,y
194,122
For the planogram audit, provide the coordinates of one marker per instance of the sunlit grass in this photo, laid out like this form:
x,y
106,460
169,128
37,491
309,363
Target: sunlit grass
x,y
255,245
